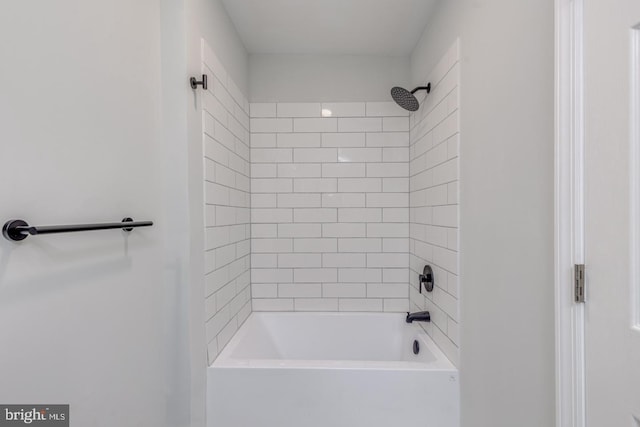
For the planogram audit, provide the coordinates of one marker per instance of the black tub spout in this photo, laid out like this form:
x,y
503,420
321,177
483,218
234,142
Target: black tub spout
x,y
420,316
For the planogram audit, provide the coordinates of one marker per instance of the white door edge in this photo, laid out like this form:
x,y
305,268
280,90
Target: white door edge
x,y
569,213
634,184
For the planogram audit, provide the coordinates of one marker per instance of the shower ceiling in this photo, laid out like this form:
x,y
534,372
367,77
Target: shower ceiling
x,y
348,27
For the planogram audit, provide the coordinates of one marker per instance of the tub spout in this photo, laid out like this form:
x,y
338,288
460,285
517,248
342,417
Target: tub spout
x,y
420,316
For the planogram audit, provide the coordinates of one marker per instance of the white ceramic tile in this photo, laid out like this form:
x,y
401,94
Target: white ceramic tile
x,y
298,109
391,260
360,245
315,245
315,155
271,275
343,200
299,230
385,109
359,155
264,290
271,125
381,200
263,140
277,304
387,169
395,185
395,215
294,260
349,304
387,290
315,215
264,260
360,185
356,275
396,305
289,170
315,275
343,109
344,170
325,185
395,275
344,139
298,200
271,185
395,139
306,140
395,154
344,290
316,304
315,125
344,260
271,245
360,215
360,125
344,230
387,230
267,155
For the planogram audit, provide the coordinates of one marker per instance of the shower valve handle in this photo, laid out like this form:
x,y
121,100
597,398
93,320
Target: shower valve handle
x,y
427,278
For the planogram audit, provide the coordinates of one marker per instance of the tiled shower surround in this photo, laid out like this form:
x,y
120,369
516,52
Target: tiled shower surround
x,y
435,141
344,204
330,207
227,204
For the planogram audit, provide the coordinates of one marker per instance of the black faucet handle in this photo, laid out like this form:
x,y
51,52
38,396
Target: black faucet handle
x,y
427,278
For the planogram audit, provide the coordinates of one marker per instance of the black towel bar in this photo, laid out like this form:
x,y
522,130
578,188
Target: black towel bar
x,y
17,229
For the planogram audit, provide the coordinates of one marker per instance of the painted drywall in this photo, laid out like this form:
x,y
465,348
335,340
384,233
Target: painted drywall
x,y
97,319
325,78
208,19
506,204
330,207
203,20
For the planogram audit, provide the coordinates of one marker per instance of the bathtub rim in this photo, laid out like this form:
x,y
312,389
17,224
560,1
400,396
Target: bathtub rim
x,y
225,361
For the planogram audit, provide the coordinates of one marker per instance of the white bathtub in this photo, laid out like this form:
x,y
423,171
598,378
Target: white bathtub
x,y
331,370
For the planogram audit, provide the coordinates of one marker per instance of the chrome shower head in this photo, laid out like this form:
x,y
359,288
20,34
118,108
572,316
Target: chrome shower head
x,y
406,99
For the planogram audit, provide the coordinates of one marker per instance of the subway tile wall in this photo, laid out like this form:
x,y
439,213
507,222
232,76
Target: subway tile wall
x,y
434,202
330,207
227,187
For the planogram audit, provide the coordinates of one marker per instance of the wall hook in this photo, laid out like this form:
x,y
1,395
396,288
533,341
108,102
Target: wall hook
x,y
195,83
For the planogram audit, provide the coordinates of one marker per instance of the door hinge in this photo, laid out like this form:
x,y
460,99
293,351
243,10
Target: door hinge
x,y
578,279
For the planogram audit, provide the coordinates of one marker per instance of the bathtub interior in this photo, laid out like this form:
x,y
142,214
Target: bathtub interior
x,y
365,337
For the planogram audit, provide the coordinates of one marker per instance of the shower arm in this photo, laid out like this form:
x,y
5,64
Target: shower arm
x,y
427,88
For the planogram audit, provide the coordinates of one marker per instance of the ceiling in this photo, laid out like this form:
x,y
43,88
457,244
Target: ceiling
x,y
346,27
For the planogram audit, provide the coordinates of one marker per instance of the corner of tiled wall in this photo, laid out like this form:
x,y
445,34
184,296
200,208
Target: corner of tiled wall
x,y
434,224
330,206
227,187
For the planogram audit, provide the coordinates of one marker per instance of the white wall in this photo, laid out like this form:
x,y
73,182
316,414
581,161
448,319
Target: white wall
x,y
101,132
91,318
208,20
434,183
325,78
330,207
506,204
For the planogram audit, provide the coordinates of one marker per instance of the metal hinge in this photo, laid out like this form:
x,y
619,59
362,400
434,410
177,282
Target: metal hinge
x,y
578,280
